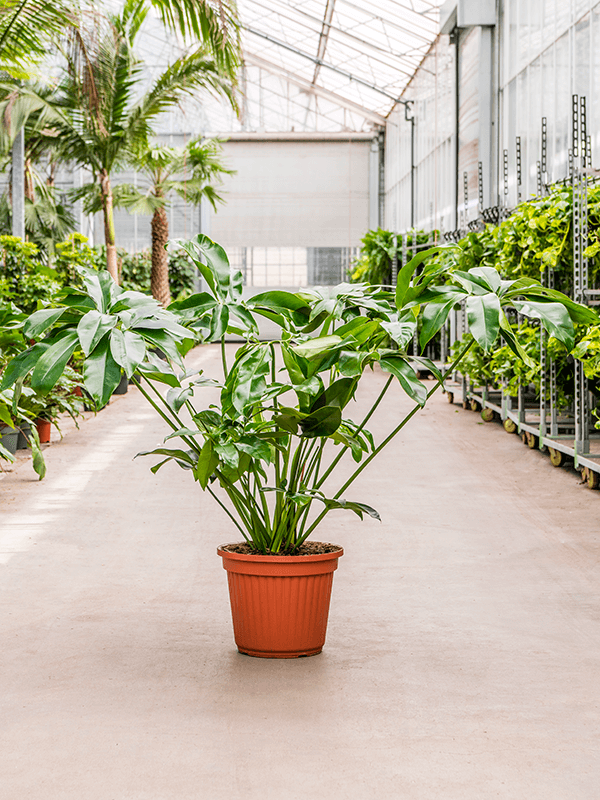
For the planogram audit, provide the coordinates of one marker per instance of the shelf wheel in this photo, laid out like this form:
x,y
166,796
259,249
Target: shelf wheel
x,y
557,457
474,405
593,479
450,396
510,426
487,415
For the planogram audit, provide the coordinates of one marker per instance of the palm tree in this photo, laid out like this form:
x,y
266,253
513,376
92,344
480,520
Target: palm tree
x,y
102,125
25,28
28,27
190,172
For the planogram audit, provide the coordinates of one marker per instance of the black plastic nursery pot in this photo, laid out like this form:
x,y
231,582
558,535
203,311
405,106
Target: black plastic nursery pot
x,y
24,434
123,384
9,438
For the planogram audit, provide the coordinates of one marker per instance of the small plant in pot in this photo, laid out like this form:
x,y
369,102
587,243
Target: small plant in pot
x,y
281,425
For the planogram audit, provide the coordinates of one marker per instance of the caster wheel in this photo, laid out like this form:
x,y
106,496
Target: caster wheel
x,y
510,426
465,405
450,396
487,415
557,458
532,441
593,479
474,405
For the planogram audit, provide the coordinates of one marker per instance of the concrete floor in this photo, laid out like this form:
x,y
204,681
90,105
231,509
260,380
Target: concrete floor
x,y
463,651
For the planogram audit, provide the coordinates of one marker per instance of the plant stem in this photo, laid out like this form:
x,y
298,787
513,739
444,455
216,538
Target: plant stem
x,y
372,410
224,358
388,439
229,514
190,442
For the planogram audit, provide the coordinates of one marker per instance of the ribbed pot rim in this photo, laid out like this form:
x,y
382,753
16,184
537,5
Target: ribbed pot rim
x,y
259,557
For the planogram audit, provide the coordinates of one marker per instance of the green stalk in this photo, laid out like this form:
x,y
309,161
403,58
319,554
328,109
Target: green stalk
x,y
278,497
224,358
190,442
229,514
388,439
372,410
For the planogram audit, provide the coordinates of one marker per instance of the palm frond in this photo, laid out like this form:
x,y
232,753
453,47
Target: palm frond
x,y
214,22
26,26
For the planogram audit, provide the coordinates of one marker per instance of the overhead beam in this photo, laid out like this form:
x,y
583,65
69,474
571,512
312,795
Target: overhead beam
x,y
307,86
339,71
323,37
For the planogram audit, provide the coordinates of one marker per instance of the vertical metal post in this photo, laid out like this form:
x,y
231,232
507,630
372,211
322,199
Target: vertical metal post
x,y
541,187
18,185
395,261
580,271
544,164
466,199
505,184
519,169
480,187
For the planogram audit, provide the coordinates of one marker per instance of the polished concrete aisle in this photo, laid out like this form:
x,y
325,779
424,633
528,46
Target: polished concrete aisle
x,y
463,653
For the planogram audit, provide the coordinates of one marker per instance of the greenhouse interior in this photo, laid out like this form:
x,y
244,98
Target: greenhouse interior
x,y
246,249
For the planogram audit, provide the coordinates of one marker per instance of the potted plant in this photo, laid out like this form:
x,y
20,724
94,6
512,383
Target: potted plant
x,y
281,426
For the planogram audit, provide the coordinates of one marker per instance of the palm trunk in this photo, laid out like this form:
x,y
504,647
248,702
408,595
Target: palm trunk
x,y
109,226
159,278
29,187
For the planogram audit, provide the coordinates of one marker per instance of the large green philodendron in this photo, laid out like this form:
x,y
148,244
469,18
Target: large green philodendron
x,y
282,426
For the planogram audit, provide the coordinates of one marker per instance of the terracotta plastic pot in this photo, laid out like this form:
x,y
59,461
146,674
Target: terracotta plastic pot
x,y
279,604
44,427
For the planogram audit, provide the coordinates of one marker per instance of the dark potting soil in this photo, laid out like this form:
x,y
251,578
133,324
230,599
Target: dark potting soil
x,y
305,549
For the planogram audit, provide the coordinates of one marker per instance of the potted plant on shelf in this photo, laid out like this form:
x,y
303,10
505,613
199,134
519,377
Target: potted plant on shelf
x,y
280,428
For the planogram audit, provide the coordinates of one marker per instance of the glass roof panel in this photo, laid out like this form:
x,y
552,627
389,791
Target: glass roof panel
x,y
365,53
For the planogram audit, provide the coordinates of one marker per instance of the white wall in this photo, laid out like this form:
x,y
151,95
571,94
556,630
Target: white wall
x,y
294,193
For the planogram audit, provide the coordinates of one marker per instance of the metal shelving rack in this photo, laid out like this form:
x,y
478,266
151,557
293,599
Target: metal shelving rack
x,y
568,434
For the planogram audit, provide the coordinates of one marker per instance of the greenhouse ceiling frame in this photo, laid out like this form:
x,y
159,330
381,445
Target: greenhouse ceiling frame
x,y
359,57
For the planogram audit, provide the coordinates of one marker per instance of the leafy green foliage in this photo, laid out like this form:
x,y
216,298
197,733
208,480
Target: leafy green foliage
x,y
282,404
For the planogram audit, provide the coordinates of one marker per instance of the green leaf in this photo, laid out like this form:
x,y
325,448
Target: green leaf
x,y
216,271
408,270
434,316
490,277
39,465
514,344
554,317
323,422
101,288
351,364
577,312
20,365
158,370
317,346
176,397
101,373
483,315
246,382
336,394
358,508
400,332
41,320
207,463
193,307
53,361
184,458
163,340
6,454
399,367
278,301
128,350
92,327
